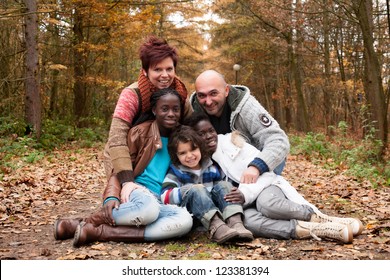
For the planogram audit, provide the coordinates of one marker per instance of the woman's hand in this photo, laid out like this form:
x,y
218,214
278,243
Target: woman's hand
x,y
107,210
250,175
127,189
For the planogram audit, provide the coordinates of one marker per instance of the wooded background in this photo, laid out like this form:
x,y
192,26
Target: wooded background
x,y
313,64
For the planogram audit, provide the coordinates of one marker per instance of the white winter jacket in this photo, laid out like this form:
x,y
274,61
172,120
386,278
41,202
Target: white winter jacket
x,y
233,155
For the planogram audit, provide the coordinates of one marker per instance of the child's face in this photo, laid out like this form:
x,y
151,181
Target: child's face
x,y
188,156
206,130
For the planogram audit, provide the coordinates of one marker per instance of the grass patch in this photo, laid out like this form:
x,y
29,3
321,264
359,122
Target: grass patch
x,y
176,247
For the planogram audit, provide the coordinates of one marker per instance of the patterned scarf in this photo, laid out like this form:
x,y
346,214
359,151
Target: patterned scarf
x,y
147,89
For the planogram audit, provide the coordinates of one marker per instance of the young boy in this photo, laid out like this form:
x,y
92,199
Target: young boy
x,y
195,182
274,209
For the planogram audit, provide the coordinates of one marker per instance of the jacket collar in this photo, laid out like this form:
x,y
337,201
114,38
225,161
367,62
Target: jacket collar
x,y
236,95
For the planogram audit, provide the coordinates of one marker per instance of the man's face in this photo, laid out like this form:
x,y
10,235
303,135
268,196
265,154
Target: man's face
x,y
212,94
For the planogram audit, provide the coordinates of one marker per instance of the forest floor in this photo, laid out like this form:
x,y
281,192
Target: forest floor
x,y
69,183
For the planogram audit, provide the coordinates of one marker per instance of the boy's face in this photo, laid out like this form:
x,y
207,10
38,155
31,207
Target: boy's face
x,y
188,156
206,130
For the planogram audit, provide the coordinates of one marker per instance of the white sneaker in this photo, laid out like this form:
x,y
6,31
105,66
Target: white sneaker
x,y
330,230
356,224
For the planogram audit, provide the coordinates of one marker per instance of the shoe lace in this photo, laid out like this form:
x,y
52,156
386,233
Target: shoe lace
x,y
326,230
326,218
312,234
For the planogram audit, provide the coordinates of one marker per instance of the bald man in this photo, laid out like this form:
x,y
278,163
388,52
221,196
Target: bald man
x,y
234,108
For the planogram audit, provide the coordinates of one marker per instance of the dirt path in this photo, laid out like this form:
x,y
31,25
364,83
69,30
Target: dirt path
x,y
69,184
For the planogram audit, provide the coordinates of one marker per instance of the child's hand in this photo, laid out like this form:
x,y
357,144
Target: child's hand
x,y
235,196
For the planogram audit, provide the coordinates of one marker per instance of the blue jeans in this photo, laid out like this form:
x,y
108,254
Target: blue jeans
x,y
279,169
204,204
161,221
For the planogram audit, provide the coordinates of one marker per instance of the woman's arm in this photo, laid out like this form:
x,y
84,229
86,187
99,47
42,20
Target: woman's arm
x,y
125,111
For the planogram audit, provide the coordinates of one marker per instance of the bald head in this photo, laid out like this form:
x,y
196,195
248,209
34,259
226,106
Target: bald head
x,y
210,75
211,92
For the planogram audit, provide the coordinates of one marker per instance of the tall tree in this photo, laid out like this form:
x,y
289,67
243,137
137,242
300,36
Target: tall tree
x,y
372,72
303,121
80,57
33,99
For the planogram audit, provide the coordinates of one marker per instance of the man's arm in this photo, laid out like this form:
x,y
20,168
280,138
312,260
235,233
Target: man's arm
x,y
265,134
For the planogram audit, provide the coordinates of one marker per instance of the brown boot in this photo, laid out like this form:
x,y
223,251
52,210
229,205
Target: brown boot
x,y
65,228
219,231
87,233
235,222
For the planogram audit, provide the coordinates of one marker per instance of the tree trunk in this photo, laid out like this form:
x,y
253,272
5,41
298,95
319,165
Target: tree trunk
x,y
303,122
33,106
327,92
79,88
289,104
372,72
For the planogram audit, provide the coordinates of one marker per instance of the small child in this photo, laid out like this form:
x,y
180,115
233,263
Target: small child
x,y
194,181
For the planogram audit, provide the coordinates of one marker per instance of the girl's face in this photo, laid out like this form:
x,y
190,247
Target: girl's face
x,y
161,75
167,112
188,156
206,130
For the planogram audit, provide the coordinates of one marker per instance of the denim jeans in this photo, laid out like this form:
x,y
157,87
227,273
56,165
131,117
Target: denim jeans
x,y
279,169
161,221
204,204
275,216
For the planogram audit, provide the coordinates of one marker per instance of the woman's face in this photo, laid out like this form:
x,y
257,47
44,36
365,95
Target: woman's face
x,y
161,75
167,112
206,130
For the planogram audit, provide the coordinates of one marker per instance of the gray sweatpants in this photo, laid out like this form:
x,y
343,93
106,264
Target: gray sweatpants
x,y
275,216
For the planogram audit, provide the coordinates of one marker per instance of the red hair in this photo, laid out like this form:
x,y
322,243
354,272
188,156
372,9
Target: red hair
x,y
154,50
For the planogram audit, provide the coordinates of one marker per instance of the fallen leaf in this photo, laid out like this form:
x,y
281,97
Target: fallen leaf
x,y
216,256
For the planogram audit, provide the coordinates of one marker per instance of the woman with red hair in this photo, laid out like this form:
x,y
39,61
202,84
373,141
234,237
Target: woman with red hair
x,y
158,72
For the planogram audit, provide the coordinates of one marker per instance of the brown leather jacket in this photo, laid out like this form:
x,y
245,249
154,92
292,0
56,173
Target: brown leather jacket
x,y
143,141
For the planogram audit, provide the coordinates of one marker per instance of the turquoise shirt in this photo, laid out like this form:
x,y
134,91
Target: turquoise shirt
x,y
154,174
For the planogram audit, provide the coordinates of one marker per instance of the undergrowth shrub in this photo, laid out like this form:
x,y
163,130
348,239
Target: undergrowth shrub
x,y
55,134
358,158
313,146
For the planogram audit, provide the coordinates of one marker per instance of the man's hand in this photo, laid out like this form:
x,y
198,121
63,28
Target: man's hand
x,y
235,196
250,175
